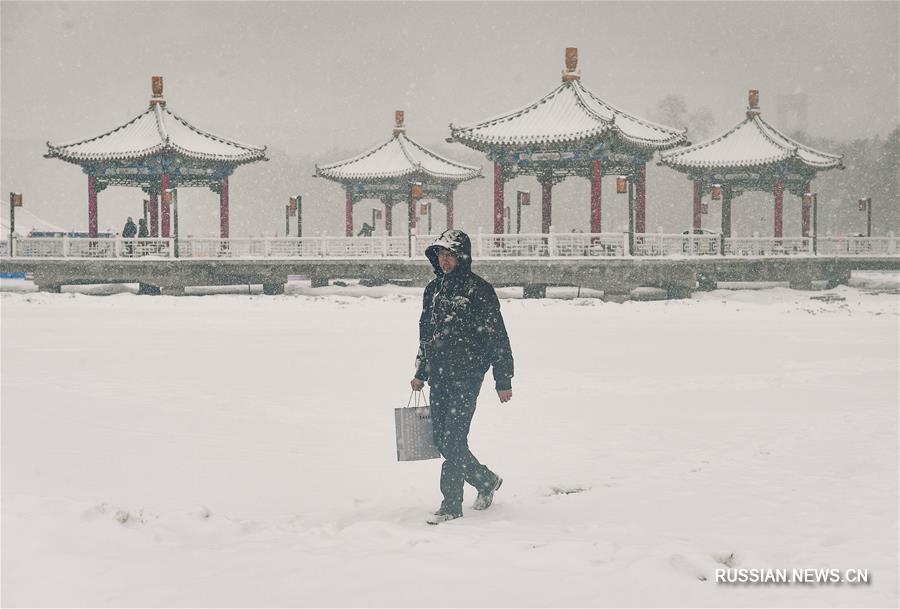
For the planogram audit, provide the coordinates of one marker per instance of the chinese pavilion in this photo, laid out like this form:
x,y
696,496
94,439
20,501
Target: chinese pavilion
x,y
157,151
386,173
569,132
752,156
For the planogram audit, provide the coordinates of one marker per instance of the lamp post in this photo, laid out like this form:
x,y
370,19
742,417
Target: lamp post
x,y
865,204
523,197
15,200
289,210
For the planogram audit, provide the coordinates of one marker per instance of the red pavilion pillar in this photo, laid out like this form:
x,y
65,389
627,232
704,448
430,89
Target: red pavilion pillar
x,y
726,211
805,209
154,214
449,209
546,204
640,207
348,213
498,198
223,209
164,209
596,196
92,206
779,208
698,194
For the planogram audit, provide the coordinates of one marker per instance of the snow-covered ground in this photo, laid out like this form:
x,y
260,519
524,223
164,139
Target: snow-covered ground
x,y
238,450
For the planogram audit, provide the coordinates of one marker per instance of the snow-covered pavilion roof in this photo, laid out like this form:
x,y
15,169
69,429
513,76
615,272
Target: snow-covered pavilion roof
x,y
398,157
156,130
569,113
752,143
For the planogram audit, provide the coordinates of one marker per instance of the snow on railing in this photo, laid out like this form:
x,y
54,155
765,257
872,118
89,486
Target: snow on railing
x,y
661,244
91,247
857,246
551,244
555,245
768,246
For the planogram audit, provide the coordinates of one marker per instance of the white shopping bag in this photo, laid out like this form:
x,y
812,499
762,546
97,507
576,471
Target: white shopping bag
x,y
415,435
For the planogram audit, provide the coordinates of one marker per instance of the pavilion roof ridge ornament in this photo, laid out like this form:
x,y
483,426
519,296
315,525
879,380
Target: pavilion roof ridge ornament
x,y
399,127
571,72
156,87
752,142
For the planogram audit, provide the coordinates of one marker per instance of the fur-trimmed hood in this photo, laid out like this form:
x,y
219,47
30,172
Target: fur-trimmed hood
x,y
457,242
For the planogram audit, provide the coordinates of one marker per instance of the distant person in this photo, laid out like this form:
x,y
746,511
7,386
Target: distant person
x,y
366,230
461,335
129,232
143,233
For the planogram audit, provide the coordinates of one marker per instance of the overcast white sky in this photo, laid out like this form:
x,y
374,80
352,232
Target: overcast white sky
x,y
323,79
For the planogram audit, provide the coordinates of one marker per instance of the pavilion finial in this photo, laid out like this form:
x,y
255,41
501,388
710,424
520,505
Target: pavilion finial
x,y
753,103
399,127
157,87
571,72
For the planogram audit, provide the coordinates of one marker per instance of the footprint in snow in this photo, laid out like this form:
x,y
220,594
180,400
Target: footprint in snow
x,y
686,567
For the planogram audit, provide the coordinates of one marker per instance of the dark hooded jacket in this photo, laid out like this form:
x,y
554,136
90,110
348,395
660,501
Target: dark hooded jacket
x,y
130,229
461,330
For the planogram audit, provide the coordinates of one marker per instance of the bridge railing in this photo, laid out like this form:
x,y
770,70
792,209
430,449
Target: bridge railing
x,y
857,246
661,244
768,246
98,247
556,245
550,244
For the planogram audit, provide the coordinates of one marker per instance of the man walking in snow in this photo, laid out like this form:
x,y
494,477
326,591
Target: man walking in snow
x,y
461,335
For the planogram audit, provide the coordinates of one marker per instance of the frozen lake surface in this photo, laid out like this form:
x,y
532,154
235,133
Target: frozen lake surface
x,y
238,450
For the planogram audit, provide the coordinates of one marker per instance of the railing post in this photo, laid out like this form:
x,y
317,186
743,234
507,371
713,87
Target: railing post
x,y
384,245
324,244
551,242
65,248
117,247
169,247
478,247
809,246
626,245
414,247
892,243
691,241
267,245
721,244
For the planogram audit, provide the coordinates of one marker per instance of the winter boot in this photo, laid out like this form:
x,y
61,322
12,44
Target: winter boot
x,y
485,498
443,515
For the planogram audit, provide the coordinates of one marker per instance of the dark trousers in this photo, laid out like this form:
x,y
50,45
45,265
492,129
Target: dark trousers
x,y
452,409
